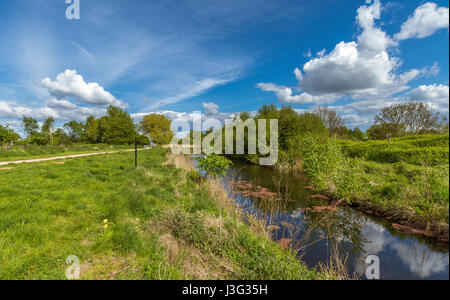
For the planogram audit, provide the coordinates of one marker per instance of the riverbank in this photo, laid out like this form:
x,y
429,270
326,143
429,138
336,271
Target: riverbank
x,y
154,222
414,198
411,194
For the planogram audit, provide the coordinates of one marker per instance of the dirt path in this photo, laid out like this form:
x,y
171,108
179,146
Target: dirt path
x,y
4,163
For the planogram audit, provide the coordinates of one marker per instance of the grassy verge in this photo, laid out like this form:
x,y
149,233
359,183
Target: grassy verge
x,y
31,152
429,150
163,222
408,193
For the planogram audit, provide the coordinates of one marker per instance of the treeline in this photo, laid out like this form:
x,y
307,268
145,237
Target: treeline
x,y
409,118
322,125
115,128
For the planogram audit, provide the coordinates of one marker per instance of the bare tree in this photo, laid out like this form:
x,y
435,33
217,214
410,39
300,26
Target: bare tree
x,y
409,118
332,120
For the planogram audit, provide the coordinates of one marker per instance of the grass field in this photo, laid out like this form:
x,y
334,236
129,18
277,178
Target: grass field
x,y
31,151
408,178
417,193
154,222
406,181
423,150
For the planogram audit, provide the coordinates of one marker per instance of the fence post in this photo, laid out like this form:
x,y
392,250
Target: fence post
x,y
135,153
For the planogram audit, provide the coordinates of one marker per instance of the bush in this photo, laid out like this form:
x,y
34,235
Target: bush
x,y
214,165
323,161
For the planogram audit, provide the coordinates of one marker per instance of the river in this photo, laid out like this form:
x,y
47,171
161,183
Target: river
x,y
321,234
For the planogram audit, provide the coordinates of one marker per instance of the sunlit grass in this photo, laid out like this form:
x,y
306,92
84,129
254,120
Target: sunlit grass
x,y
31,151
162,223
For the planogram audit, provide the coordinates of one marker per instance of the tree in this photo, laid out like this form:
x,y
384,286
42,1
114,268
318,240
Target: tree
x,y
30,125
91,133
332,120
244,116
358,134
60,137
7,135
116,128
408,118
158,127
74,130
142,140
48,128
310,123
268,112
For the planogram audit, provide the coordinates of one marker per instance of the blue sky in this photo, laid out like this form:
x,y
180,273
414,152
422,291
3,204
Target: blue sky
x,y
222,57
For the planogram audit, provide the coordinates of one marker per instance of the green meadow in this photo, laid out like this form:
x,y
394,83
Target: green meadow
x,y
406,180
23,152
154,222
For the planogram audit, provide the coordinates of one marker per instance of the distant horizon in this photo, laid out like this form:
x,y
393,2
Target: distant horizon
x,y
354,57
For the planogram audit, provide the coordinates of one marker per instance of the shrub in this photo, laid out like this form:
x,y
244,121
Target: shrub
x,y
214,165
323,161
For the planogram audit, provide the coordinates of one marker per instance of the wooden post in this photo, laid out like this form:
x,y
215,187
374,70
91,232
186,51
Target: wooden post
x,y
135,153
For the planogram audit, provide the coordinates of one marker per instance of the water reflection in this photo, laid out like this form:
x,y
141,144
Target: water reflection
x,y
343,236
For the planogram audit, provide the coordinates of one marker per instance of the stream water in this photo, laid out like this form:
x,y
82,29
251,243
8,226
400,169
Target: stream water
x,y
321,235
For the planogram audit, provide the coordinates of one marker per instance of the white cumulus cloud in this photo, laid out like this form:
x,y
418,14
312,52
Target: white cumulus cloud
x,y
285,95
434,91
361,69
210,108
427,19
70,84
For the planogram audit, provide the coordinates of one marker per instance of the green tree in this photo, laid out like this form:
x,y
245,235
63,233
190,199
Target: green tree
x,y
117,127
48,128
358,134
143,140
74,130
7,135
91,132
60,137
311,124
244,116
30,125
157,127
268,112
383,131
